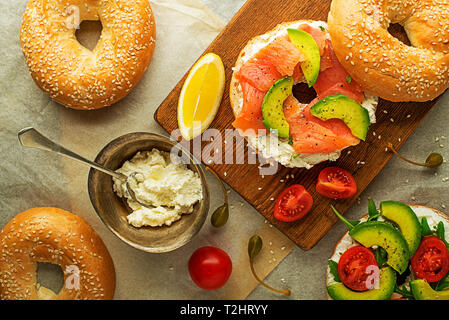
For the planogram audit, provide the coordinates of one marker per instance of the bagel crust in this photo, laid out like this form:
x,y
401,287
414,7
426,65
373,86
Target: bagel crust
x,y
71,74
383,64
59,237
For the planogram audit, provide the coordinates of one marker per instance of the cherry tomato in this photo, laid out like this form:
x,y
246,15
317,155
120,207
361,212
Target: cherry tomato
x,y
336,183
293,204
353,267
431,260
210,268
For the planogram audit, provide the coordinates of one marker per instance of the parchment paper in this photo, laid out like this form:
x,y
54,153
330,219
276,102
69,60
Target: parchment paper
x,y
31,178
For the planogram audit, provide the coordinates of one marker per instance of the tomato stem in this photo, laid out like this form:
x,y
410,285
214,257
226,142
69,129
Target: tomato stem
x,y
287,292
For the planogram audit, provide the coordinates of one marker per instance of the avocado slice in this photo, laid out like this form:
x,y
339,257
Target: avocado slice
x,y
423,291
387,282
407,221
386,236
309,48
272,107
339,106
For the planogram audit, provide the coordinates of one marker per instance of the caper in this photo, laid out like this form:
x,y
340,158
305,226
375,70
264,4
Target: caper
x,y
254,247
434,160
221,214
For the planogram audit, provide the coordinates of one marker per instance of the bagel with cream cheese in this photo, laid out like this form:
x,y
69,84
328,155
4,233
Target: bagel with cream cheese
x,y
269,145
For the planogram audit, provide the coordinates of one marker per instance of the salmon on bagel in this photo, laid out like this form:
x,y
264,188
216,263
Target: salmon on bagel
x,y
273,120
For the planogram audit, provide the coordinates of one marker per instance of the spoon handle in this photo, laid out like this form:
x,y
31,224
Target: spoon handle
x,y
31,138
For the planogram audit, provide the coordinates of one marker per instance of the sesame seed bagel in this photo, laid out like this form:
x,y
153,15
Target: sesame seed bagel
x,y
383,64
59,237
75,76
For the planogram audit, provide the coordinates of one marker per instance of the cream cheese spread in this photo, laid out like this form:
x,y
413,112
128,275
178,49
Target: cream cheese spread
x,y
169,186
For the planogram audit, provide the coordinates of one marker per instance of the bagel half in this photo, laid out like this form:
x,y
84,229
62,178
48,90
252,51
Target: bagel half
x,y
283,152
59,237
433,216
383,64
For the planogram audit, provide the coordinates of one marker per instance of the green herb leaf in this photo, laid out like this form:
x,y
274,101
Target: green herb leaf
x,y
333,267
442,284
322,28
350,224
405,292
349,79
441,233
381,256
425,229
290,141
372,210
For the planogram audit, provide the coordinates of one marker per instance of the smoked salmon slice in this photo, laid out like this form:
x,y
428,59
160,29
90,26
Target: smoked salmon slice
x,y
276,60
261,74
336,80
252,100
249,126
282,54
311,135
250,117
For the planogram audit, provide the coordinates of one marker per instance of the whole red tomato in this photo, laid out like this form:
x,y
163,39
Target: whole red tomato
x,y
210,268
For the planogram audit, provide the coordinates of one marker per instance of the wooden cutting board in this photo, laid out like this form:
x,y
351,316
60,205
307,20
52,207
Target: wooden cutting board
x,y
395,123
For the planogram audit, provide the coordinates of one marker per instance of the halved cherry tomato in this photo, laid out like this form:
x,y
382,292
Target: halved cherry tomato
x,y
293,204
336,183
431,260
353,267
210,268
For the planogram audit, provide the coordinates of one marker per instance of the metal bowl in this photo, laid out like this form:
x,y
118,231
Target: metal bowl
x,y
113,210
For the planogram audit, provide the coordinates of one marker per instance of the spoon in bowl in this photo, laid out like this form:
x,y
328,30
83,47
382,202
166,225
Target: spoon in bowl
x,y
31,138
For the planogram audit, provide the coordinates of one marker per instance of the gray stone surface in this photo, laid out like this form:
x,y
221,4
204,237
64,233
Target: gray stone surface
x,y
303,271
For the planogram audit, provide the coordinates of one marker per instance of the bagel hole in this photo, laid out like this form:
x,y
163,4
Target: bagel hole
x,y
89,33
50,276
303,93
398,31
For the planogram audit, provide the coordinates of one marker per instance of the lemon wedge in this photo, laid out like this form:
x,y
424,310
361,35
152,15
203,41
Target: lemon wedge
x,y
201,96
